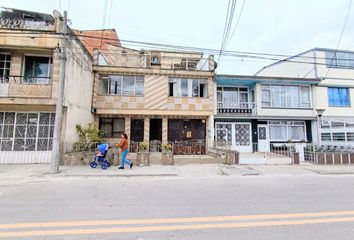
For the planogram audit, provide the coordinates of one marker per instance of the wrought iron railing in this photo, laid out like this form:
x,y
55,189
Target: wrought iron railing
x,y
22,86
237,107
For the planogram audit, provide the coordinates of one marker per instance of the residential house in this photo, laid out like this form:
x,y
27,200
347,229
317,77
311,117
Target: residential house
x,y
258,114
155,96
334,94
29,76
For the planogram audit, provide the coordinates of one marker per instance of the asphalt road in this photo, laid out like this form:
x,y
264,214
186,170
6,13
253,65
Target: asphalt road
x,y
252,207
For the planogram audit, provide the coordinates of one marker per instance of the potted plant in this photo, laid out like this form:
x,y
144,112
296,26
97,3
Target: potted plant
x,y
167,155
143,154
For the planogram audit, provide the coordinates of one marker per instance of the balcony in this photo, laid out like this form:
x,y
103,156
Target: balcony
x,y
239,108
25,87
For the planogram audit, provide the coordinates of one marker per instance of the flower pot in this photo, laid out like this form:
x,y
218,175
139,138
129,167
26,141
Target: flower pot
x,y
142,159
167,158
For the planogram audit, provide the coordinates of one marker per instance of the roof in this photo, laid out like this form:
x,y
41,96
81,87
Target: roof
x,y
244,80
99,38
302,53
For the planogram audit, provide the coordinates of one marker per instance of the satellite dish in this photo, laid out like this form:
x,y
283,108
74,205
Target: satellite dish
x,y
56,14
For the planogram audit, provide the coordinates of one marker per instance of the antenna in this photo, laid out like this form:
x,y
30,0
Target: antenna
x,y
56,14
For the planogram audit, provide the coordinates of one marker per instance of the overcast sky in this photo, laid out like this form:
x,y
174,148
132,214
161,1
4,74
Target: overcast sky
x,y
269,26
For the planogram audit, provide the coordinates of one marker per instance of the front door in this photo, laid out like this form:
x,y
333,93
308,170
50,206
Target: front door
x,y
263,138
243,138
155,134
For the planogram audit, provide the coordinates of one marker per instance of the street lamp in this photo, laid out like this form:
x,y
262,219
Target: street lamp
x,y
319,112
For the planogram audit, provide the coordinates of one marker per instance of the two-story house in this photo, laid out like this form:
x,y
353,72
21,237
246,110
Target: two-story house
x,y
154,96
334,94
258,113
29,75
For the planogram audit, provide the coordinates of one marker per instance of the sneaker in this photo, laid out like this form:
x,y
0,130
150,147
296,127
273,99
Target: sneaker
x,y
131,165
121,167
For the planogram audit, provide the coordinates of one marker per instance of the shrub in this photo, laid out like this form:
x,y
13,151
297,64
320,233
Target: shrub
x,y
167,148
143,147
88,138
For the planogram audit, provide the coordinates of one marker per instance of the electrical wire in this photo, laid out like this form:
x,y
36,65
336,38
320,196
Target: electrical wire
x,y
341,35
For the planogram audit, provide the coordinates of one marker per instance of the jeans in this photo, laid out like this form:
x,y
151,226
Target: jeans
x,y
124,158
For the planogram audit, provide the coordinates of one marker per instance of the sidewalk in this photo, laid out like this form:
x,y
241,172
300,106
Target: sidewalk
x,y
20,172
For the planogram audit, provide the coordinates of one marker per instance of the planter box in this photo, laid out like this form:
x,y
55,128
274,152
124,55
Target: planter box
x,y
345,158
232,157
142,159
77,159
320,158
337,158
167,158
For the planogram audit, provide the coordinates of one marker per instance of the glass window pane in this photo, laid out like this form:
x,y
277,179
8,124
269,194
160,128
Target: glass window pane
x,y
195,88
278,96
293,96
277,132
338,97
184,87
139,86
103,86
128,85
37,69
116,85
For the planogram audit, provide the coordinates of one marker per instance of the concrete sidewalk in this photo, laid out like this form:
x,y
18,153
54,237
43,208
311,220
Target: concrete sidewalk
x,y
13,172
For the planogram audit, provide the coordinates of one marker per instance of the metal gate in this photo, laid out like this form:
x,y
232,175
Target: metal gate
x,y
26,137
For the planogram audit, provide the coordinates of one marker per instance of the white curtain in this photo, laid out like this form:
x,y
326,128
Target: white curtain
x,y
278,96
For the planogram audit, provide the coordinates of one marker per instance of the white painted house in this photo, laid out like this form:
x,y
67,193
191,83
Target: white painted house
x,y
260,114
334,94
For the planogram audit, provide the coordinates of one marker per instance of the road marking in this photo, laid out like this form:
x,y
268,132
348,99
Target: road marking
x,y
173,227
174,220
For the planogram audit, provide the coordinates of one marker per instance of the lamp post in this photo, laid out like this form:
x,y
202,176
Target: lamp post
x,y
319,112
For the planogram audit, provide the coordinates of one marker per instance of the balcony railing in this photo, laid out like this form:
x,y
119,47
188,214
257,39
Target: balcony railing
x,y
236,108
22,86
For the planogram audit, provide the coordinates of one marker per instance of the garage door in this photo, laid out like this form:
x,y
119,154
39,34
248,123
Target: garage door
x,y
26,137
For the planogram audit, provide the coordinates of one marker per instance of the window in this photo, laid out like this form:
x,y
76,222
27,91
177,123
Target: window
x,y
112,127
37,70
338,97
332,131
26,131
5,63
287,130
183,87
286,96
232,97
122,85
340,59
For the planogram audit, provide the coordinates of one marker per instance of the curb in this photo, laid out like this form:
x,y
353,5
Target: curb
x,y
112,175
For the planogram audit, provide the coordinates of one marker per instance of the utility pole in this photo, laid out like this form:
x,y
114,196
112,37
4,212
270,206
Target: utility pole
x,y
56,155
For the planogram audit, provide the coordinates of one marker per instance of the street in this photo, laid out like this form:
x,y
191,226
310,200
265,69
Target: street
x,y
218,207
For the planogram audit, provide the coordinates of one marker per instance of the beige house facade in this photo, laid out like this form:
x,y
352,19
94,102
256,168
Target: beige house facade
x,y
155,96
29,76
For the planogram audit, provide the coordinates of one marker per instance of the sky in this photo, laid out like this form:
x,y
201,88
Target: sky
x,y
285,27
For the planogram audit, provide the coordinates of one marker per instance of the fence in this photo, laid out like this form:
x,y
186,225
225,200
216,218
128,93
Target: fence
x,y
329,154
190,147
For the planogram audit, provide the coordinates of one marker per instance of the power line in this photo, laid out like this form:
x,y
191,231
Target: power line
x,y
238,20
170,46
341,35
238,54
227,26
